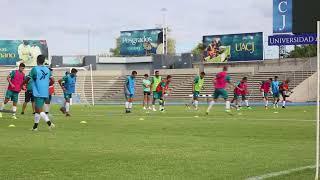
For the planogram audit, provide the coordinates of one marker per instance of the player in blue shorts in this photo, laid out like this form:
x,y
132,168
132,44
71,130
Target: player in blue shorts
x,y
41,78
129,90
68,85
275,92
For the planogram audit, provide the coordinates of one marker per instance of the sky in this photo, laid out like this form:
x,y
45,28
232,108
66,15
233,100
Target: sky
x,y
65,23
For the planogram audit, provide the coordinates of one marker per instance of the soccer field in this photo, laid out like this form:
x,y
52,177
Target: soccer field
x,y
177,144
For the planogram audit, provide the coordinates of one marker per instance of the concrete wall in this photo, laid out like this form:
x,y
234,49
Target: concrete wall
x,y
298,64
124,66
306,91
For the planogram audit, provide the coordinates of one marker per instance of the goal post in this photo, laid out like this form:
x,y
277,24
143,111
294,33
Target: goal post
x,y
84,86
84,92
318,102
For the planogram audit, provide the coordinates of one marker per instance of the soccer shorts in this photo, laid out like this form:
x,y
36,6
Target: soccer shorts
x,y
146,93
284,94
235,96
196,94
157,95
264,94
13,96
129,96
244,97
28,96
220,93
67,96
39,102
48,100
276,95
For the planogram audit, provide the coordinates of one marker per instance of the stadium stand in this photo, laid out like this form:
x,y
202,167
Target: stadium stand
x,y
108,87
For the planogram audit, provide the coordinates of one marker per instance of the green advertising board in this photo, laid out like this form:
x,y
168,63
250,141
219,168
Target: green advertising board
x,y
13,52
141,42
233,47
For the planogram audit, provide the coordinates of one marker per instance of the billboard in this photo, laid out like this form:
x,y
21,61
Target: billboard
x,y
288,39
13,52
233,47
282,16
72,60
141,42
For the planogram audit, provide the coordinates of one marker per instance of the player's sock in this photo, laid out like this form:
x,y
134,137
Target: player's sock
x,y
67,107
210,106
2,106
14,109
267,103
227,105
46,108
130,106
247,103
44,116
196,104
284,103
36,120
126,105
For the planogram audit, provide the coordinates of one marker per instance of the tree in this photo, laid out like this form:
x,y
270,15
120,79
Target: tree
x,y
116,51
198,50
304,51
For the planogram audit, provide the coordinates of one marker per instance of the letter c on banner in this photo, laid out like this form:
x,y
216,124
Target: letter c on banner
x,y
284,9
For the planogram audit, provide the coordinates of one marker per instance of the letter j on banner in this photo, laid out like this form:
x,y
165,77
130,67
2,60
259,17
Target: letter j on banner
x,y
282,16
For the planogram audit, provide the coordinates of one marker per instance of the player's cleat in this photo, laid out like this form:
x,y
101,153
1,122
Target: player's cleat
x,y
63,110
154,109
144,108
266,107
0,115
150,108
52,126
68,115
228,110
283,107
36,129
14,117
188,106
207,112
127,111
250,108
238,109
22,113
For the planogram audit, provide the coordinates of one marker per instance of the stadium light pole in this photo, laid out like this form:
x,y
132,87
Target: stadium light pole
x,y
89,32
318,100
164,30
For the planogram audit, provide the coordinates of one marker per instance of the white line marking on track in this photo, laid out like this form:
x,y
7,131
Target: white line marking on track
x,y
280,173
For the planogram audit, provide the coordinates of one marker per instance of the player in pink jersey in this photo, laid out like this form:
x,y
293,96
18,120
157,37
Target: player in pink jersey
x,y
241,89
220,84
15,80
265,91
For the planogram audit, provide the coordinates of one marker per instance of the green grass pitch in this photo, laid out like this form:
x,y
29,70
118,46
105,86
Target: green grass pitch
x,y
170,145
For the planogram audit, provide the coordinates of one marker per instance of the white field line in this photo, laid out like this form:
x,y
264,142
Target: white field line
x,y
280,173
184,117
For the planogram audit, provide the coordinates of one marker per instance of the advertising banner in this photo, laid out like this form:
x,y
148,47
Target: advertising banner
x,y
287,39
141,42
282,16
13,52
233,47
